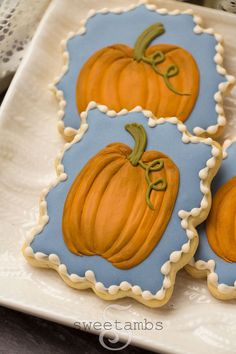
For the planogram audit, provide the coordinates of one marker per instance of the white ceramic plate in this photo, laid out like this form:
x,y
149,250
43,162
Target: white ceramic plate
x,y
193,321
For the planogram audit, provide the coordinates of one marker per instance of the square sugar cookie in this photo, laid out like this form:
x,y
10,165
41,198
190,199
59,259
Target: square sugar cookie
x,y
164,62
216,255
121,216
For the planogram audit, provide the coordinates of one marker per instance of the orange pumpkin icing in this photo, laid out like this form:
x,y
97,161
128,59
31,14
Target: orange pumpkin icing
x,y
221,223
122,77
106,212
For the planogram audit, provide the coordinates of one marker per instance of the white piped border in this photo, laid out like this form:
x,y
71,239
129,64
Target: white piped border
x,y
202,269
189,220
223,87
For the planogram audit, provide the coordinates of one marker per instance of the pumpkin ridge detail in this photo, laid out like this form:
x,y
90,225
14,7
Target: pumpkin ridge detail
x,y
147,227
88,221
118,87
227,243
97,73
101,210
220,225
106,212
82,89
75,190
131,224
124,49
145,84
115,102
144,224
153,92
117,215
105,81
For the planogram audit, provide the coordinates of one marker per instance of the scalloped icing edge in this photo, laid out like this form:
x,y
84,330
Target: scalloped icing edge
x,y
223,88
201,269
189,220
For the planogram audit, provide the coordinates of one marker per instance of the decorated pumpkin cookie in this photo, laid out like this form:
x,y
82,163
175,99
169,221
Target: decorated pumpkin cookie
x,y
120,217
162,78
216,254
164,62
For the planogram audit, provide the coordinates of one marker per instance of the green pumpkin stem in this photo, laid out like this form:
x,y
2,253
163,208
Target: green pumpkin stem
x,y
157,57
138,132
140,137
145,39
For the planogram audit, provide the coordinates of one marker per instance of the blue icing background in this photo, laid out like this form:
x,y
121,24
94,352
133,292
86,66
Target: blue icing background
x,y
104,30
226,271
190,158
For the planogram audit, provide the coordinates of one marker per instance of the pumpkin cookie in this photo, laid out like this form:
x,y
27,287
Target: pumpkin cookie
x,y
120,217
216,254
164,62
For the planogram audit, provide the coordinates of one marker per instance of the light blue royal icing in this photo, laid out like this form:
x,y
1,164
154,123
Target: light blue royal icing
x,y
190,158
104,30
226,271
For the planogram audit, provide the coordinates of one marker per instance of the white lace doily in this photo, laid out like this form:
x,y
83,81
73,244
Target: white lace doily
x,y
228,5
18,21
